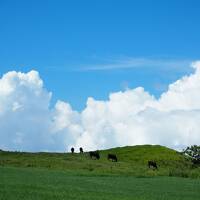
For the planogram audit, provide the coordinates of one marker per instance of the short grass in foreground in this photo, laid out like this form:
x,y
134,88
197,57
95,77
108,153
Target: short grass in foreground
x,y
44,184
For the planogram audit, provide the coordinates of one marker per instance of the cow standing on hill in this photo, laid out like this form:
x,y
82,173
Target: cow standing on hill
x,y
152,164
72,149
81,150
94,155
112,157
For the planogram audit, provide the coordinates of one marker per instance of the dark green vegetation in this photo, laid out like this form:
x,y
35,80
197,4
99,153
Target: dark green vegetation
x,y
132,161
76,176
194,153
41,184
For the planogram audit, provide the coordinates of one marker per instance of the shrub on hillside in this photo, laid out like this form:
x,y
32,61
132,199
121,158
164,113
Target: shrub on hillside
x,y
194,174
194,153
178,172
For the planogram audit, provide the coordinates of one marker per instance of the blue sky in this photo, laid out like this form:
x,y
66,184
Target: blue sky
x,y
91,48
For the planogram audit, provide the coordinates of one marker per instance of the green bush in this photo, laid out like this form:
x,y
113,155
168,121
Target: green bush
x,y
195,173
179,173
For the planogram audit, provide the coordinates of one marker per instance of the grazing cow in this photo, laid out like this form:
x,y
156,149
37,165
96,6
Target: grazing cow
x,y
72,149
94,154
112,157
81,150
152,164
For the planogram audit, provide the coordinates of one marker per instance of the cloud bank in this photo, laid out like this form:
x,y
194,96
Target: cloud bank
x,y
27,123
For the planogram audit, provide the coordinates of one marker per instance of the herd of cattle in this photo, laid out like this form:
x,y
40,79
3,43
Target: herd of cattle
x,y
96,155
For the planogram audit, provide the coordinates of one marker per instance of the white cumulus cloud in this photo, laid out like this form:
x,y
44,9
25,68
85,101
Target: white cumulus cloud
x,y
127,118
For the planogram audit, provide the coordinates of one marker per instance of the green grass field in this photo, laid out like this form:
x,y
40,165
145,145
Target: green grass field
x,y
132,161
67,176
20,183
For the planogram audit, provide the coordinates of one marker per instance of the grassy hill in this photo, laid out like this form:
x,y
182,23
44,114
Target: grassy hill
x,y
48,176
132,161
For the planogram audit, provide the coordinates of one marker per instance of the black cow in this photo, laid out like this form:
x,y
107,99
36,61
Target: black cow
x,y
72,149
112,157
81,150
152,164
94,155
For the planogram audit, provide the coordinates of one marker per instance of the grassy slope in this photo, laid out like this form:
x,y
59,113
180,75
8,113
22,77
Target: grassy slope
x,y
33,183
49,176
132,161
